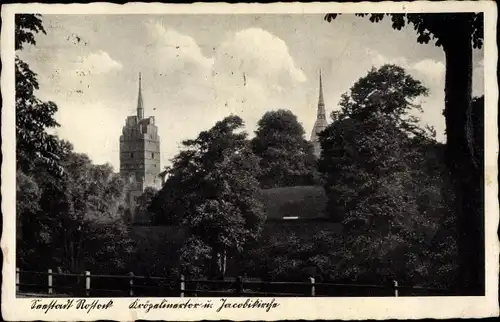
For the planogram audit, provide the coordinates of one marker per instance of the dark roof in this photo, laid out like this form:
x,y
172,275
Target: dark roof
x,y
304,202
145,121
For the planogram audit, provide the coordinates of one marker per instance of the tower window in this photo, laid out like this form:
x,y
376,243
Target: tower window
x,y
131,154
152,155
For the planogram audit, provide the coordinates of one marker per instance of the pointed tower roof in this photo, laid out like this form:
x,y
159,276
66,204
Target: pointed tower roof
x,y
321,100
140,103
321,114
321,123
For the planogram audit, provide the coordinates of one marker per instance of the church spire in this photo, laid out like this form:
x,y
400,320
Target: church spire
x,y
321,102
140,107
321,124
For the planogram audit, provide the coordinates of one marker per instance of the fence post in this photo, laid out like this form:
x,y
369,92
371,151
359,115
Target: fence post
x,y
131,284
313,288
182,285
18,278
239,285
87,283
395,286
49,280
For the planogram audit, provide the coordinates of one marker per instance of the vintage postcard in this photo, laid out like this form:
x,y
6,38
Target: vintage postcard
x,y
249,161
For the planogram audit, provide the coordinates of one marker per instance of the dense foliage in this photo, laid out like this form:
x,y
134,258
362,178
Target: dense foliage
x,y
379,178
386,183
457,34
142,214
211,191
33,116
75,220
389,91
383,176
68,210
286,158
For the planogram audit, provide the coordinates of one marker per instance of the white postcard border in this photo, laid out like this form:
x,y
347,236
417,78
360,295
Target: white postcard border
x,y
289,308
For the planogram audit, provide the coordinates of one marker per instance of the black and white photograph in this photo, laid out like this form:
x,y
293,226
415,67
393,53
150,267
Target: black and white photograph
x,y
167,156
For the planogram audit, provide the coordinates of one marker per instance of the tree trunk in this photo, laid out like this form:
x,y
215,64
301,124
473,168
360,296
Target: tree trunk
x,y
219,259
215,266
223,263
71,257
460,153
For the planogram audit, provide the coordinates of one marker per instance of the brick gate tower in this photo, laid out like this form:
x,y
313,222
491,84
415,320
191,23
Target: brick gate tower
x,y
140,153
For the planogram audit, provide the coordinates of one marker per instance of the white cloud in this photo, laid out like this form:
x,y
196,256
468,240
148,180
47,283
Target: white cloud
x,y
253,72
432,70
97,63
377,59
258,53
430,67
170,44
191,79
428,70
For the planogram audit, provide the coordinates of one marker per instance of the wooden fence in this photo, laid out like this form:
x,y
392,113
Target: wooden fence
x,y
89,285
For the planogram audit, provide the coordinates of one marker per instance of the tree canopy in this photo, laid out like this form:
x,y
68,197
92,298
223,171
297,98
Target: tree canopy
x,y
79,215
33,116
376,181
388,91
457,34
286,158
211,191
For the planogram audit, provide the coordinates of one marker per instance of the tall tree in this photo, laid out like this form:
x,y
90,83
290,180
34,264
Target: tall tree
x,y
33,116
457,34
373,164
33,234
84,215
286,158
390,91
371,184
28,228
212,192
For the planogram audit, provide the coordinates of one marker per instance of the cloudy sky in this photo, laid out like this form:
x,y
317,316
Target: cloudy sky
x,y
197,69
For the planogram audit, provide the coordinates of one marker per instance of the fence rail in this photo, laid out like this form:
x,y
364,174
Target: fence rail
x,y
101,285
